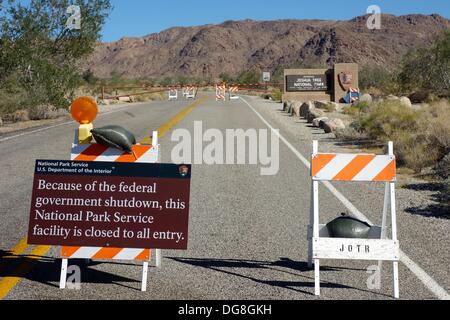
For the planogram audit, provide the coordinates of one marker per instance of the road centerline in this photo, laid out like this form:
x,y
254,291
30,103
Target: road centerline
x,y
9,282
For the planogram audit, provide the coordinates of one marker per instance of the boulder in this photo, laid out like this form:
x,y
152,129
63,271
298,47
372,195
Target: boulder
x,y
366,98
286,105
295,110
125,99
419,96
313,114
317,121
333,125
305,108
322,122
406,102
321,104
391,97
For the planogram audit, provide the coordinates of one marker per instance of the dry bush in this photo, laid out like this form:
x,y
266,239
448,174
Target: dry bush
x,y
17,116
43,112
421,137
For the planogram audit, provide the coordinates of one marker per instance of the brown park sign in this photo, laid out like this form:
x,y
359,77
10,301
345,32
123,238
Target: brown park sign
x,y
110,204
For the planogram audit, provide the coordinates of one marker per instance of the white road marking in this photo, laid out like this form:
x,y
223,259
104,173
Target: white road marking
x,y
62,124
421,274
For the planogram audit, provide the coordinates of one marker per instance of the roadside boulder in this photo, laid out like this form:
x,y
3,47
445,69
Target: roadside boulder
x,y
419,96
295,110
321,105
285,105
366,98
406,102
391,97
313,114
317,121
305,108
333,125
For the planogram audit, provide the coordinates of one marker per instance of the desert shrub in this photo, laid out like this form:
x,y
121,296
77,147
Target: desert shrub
x,y
421,137
356,109
43,112
443,168
17,116
330,107
276,95
428,68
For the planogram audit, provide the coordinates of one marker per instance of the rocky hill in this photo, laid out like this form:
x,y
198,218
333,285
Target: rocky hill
x,y
234,46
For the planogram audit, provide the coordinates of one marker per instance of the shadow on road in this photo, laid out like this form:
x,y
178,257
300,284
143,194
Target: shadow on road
x,y
230,266
440,209
46,270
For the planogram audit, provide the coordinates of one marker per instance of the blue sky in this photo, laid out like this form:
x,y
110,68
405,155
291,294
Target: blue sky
x,y
142,17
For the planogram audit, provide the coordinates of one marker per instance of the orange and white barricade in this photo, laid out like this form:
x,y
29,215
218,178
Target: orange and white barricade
x,y
354,168
190,92
233,93
173,94
97,152
220,92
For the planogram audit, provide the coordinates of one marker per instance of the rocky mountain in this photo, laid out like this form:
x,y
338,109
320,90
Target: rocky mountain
x,y
234,46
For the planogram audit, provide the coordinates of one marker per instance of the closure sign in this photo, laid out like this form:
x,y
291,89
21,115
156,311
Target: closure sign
x,y
110,204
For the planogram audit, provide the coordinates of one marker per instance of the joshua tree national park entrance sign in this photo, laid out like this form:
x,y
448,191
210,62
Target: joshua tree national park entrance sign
x,y
320,84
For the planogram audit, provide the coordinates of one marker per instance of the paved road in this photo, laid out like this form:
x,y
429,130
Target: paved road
x,y
247,231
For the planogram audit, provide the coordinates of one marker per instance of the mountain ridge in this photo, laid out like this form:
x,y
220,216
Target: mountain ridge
x,y
234,46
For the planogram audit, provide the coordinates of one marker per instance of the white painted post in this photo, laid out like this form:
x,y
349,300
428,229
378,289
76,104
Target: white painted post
x,y
63,277
144,276
157,251
394,226
310,226
316,223
155,138
387,202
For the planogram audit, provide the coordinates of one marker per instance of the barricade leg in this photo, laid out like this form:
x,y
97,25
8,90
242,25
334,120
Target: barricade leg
x,y
317,277
396,282
158,258
63,277
144,276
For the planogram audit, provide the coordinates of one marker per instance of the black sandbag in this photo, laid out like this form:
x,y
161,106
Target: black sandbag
x,y
348,227
115,137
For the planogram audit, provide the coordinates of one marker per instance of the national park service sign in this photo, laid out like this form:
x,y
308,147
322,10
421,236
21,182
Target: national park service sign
x,y
345,80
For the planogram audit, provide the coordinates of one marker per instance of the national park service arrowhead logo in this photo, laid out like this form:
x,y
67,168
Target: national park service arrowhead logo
x,y
184,170
346,80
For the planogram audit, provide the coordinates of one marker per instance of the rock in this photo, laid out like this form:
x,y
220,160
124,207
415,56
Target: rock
x,y
333,125
404,101
313,114
285,105
391,97
322,122
295,110
305,108
321,105
366,98
317,121
419,96
125,99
